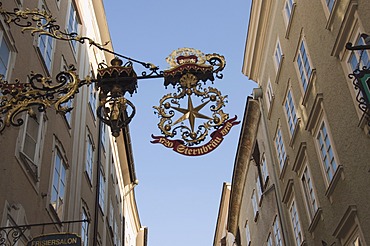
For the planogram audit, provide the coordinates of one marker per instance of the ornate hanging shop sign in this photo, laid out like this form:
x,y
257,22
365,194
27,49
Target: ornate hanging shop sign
x,y
189,70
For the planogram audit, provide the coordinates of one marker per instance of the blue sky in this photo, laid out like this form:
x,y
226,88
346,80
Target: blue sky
x,y
178,197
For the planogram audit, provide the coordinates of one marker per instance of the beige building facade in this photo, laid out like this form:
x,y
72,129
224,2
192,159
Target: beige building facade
x,y
301,170
58,168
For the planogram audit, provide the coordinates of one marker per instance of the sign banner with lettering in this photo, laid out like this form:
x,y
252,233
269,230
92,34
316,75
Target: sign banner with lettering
x,y
216,139
69,239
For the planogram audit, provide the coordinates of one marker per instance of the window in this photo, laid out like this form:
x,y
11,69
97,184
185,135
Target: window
x,y
304,66
89,157
72,25
290,112
280,149
259,190
92,98
330,4
269,95
278,55
84,229
103,135
5,54
326,152
264,170
254,204
113,170
248,234
68,114
269,240
295,223
111,214
58,184
102,191
31,142
288,8
116,234
45,46
309,192
357,58
276,230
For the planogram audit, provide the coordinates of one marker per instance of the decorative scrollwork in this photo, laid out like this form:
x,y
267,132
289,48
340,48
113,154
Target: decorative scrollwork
x,y
361,83
43,23
114,113
40,92
185,124
10,236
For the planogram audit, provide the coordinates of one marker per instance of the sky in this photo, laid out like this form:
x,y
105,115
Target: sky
x,y
178,197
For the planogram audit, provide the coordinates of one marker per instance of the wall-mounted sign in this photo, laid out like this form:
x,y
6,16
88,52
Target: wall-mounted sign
x,y
69,239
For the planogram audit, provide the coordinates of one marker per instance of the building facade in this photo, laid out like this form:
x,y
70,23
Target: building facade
x,y
301,170
59,168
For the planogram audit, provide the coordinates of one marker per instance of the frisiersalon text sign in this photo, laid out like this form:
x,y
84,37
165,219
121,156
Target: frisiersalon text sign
x,y
69,239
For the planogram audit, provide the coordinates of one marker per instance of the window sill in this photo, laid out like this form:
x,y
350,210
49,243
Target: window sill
x,y
295,132
283,170
256,216
301,154
30,166
279,70
315,220
55,216
337,176
311,81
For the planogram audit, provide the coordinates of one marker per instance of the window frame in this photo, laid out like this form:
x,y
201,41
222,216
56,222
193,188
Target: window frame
x,y
264,169
280,149
247,233
270,97
89,160
6,37
32,166
288,18
254,201
327,177
295,223
304,58
102,191
85,227
309,191
43,52
276,230
59,151
292,121
76,25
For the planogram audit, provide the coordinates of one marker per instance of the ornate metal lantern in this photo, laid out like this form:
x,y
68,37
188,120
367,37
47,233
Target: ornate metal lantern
x,y
114,81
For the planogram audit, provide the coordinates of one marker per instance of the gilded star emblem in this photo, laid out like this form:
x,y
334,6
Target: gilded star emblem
x,y
191,113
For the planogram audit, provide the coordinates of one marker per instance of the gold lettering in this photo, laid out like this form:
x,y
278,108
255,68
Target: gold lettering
x,y
166,142
181,148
